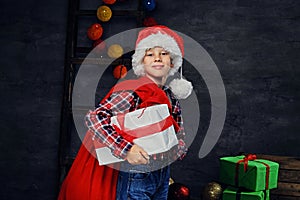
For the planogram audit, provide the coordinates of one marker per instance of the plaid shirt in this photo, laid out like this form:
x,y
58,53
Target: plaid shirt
x,y
98,121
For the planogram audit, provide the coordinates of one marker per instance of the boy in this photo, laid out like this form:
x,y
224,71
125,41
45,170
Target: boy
x,y
158,55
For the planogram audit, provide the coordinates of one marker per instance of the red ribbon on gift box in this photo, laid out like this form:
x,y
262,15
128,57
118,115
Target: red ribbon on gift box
x,y
250,157
267,173
245,161
130,135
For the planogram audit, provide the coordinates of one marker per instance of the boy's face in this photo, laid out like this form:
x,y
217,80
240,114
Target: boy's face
x,y
157,64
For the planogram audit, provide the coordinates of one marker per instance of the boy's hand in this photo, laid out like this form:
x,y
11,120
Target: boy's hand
x,y
137,155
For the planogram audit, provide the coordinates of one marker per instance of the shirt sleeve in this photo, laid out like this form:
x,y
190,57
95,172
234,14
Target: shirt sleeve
x,y
98,121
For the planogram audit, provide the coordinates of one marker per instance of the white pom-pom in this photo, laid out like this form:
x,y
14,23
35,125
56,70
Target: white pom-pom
x,y
181,88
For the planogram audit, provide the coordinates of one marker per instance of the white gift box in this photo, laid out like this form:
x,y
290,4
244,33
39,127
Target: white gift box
x,y
151,127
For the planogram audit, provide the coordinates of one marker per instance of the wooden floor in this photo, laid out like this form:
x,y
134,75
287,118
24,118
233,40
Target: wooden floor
x,y
288,177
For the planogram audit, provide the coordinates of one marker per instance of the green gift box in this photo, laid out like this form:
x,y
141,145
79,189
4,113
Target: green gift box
x,y
232,193
248,172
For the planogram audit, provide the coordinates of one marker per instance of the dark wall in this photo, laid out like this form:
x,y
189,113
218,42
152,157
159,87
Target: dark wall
x,y
31,81
255,45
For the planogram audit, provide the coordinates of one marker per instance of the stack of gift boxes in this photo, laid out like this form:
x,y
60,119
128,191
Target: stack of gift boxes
x,y
248,177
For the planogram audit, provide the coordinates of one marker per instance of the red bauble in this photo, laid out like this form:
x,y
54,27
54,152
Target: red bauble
x,y
109,1
120,71
178,191
99,45
149,21
95,31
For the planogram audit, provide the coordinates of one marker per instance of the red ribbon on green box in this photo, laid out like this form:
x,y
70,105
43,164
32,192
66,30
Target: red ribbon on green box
x,y
249,172
250,157
267,173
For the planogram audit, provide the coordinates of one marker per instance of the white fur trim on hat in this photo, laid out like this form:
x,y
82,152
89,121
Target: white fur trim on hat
x,y
156,40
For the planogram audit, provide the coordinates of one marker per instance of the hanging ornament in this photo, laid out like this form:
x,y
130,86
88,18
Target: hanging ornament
x,y
212,191
104,13
120,71
149,4
178,191
149,21
109,1
95,31
99,45
115,51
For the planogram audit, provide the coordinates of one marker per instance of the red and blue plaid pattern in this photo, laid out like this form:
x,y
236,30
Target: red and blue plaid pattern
x,y
98,121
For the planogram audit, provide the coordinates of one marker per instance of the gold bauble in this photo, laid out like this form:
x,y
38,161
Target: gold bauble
x,y
212,191
104,13
115,51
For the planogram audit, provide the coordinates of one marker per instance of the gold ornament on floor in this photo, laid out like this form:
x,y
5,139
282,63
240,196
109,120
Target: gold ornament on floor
x,y
212,191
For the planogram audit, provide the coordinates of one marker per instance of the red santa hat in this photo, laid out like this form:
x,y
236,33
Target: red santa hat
x,y
162,36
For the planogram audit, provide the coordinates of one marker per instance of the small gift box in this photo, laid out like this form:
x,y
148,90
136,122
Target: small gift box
x,y
232,193
249,172
151,128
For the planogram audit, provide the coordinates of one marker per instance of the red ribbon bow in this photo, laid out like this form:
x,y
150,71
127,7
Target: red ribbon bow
x,y
245,160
